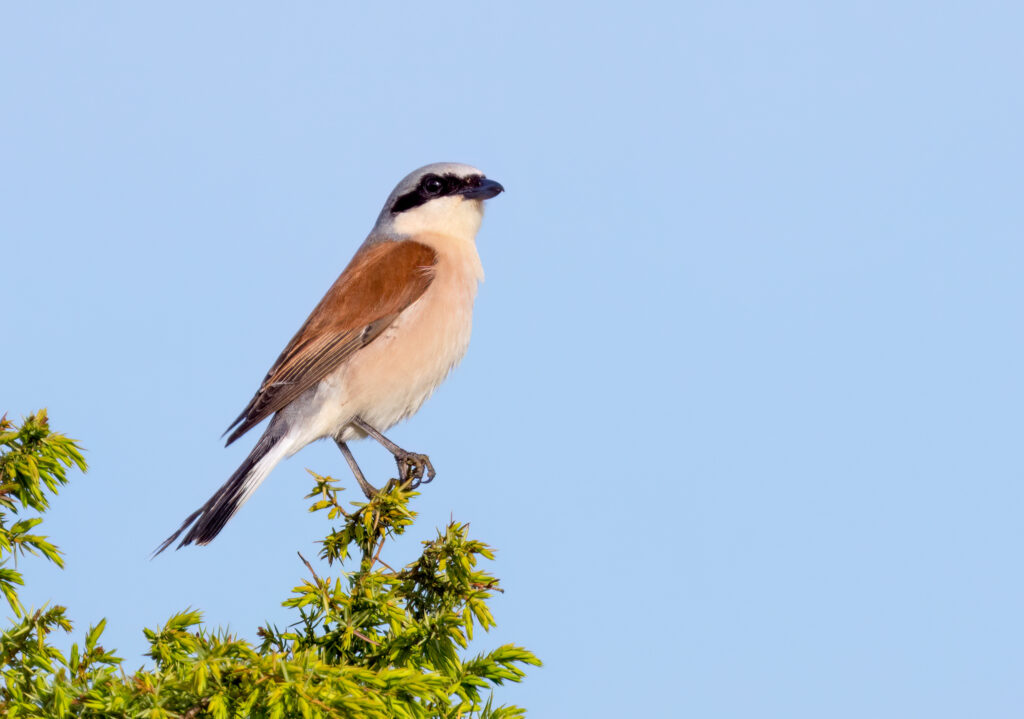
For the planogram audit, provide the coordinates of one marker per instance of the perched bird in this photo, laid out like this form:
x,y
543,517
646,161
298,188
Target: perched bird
x,y
378,344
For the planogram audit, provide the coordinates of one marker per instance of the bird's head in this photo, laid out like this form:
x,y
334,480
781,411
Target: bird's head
x,y
443,198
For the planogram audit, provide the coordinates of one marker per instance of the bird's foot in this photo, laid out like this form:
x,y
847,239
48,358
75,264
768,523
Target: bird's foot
x,y
412,467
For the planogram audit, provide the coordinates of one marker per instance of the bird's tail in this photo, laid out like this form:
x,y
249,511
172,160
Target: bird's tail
x,y
207,521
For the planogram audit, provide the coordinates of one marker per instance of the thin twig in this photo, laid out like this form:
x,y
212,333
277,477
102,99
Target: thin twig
x,y
489,587
365,638
376,557
309,567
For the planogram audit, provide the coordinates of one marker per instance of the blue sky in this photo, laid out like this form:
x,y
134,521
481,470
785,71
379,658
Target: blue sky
x,y
743,408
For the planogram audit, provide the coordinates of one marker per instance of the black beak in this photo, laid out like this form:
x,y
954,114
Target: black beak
x,y
483,191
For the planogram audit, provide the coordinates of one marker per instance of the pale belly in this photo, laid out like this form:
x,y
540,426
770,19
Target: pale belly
x,y
390,379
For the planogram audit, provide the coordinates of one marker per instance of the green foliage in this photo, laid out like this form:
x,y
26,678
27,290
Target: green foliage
x,y
33,463
372,642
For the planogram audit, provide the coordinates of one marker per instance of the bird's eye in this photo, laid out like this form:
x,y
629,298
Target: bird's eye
x,y
432,185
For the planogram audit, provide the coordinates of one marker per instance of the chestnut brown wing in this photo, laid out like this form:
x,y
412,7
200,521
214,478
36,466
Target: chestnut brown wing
x,y
380,282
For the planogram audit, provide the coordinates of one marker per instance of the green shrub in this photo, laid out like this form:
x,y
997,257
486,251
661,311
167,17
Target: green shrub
x,y
371,642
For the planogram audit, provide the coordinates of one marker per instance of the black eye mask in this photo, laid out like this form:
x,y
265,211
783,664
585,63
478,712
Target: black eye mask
x,y
431,186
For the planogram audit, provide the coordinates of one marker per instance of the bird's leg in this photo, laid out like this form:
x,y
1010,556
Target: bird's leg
x,y
368,489
411,465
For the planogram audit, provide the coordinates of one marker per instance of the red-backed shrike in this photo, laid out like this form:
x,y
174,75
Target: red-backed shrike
x,y
381,340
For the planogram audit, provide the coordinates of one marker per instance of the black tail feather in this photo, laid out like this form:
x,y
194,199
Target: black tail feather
x,y
211,517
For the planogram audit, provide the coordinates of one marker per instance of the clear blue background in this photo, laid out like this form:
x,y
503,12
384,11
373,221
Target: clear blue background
x,y
744,406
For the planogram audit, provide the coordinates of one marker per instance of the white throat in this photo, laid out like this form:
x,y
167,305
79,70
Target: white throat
x,y
454,217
